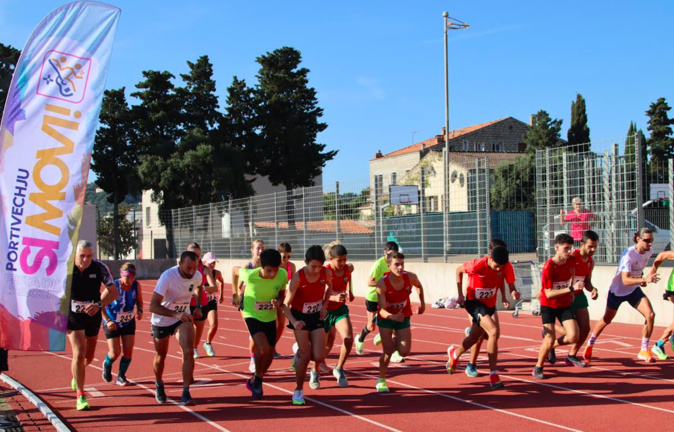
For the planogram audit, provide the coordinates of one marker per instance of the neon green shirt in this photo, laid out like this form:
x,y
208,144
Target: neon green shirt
x,y
670,282
377,272
260,292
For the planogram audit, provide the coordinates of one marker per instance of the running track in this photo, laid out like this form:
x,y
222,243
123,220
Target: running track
x,y
616,393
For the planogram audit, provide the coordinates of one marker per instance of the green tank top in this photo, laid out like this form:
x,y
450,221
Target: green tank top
x,y
377,272
260,292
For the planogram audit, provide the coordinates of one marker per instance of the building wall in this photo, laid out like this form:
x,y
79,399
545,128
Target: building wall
x,y
507,133
151,229
392,164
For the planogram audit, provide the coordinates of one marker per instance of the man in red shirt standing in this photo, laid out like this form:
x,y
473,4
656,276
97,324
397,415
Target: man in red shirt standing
x,y
486,276
556,297
581,219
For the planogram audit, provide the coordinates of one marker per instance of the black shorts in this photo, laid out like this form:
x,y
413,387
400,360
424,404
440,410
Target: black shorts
x,y
129,329
371,306
256,326
550,314
81,321
476,309
162,332
212,305
311,321
613,301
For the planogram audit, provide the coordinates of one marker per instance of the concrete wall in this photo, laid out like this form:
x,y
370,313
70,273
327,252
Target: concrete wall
x,y
145,269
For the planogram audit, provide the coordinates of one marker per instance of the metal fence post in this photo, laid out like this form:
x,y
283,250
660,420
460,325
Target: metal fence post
x,y
478,206
641,217
276,222
565,178
422,211
671,195
548,207
304,220
487,200
251,222
337,227
231,225
375,211
445,201
211,227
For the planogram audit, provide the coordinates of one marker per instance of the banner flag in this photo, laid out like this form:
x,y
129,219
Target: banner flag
x,y
46,137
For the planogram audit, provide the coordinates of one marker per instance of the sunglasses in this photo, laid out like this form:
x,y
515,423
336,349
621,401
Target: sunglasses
x,y
648,240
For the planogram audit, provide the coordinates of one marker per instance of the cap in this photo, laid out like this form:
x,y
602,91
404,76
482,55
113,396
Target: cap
x,y
209,257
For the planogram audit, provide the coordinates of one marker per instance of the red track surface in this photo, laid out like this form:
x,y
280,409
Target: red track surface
x,y
617,393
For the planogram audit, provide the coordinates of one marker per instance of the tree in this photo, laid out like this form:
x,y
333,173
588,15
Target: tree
x,y
8,59
198,99
288,123
579,133
115,156
240,123
543,133
514,186
660,143
126,236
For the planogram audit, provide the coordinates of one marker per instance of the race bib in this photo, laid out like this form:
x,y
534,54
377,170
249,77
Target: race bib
x,y
211,297
79,306
484,293
124,317
314,307
560,285
264,306
180,307
397,306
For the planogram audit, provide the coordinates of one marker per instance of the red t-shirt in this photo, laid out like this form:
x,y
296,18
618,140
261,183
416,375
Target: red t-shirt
x,y
340,284
583,268
204,294
557,277
397,300
484,282
309,295
580,222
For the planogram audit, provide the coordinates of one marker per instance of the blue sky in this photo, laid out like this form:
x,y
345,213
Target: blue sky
x,y
378,67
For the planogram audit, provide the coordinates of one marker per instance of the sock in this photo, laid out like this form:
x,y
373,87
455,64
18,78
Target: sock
x,y
364,334
660,343
186,390
80,393
593,338
124,365
644,344
108,360
493,372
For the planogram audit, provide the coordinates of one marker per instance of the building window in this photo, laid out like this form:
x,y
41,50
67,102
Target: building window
x,y
465,146
394,178
148,216
498,147
482,147
432,204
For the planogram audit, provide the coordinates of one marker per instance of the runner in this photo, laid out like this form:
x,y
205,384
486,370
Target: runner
x,y
119,323
626,286
557,289
659,347
486,277
265,287
371,302
210,288
84,315
214,297
584,267
395,310
286,251
337,317
305,307
171,316
256,249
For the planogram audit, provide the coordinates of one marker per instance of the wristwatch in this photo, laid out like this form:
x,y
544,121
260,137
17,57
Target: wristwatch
x,y
99,305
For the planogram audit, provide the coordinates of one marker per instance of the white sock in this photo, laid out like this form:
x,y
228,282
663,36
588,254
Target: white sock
x,y
493,372
644,344
592,340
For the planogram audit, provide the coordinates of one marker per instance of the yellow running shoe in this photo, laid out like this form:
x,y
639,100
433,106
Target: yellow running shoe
x,y
82,403
381,386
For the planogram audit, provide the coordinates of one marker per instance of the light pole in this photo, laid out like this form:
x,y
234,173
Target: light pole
x,y
449,24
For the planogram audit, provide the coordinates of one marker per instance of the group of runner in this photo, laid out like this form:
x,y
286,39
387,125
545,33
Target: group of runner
x,y
270,292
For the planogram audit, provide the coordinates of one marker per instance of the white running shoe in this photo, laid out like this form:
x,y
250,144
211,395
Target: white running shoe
x,y
196,353
315,380
209,349
251,366
377,340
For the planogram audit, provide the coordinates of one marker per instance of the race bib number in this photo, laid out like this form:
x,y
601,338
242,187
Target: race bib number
x,y
397,306
211,297
264,306
180,307
79,306
124,317
314,307
560,285
484,293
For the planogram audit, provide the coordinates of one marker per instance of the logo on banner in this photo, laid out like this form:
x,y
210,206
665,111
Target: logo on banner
x,y
64,76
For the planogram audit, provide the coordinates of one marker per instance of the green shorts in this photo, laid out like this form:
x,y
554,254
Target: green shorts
x,y
580,301
395,325
332,317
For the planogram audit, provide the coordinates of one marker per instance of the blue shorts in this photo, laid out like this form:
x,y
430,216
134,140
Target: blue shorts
x,y
613,302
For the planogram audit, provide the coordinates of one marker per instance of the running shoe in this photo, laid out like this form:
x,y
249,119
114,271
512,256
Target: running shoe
x,y
467,331
671,342
160,395
107,372
538,372
209,349
572,360
452,362
381,385
646,356
377,339
196,353
323,367
587,354
341,378
276,354
471,370
82,403
658,351
186,399
73,384
251,366
359,345
255,390
314,380
495,382
296,358
298,397
552,356
122,381
397,358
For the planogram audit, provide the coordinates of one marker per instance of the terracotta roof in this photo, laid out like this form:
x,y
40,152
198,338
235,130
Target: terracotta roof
x,y
439,139
326,226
